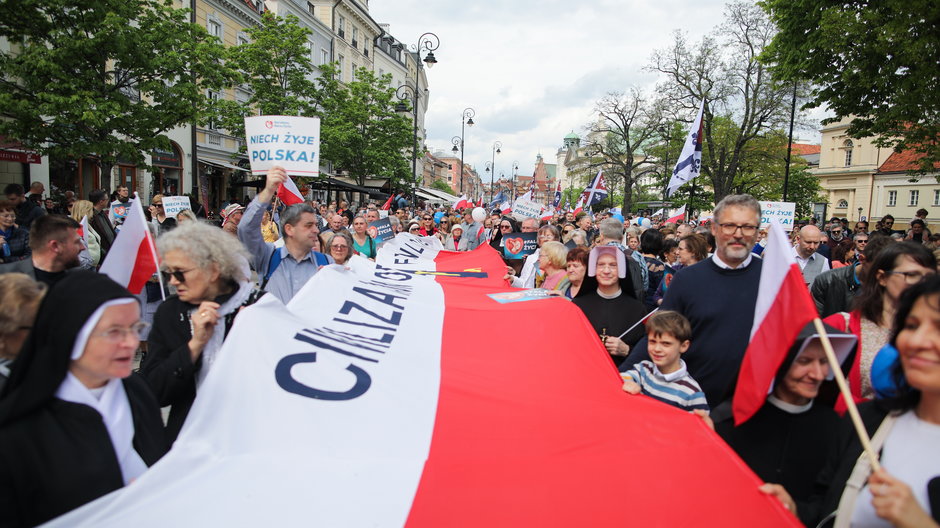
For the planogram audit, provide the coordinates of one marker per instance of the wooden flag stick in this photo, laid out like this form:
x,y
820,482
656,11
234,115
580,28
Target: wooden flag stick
x,y
846,395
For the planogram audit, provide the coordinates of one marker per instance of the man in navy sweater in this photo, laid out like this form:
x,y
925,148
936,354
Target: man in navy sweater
x,y
717,296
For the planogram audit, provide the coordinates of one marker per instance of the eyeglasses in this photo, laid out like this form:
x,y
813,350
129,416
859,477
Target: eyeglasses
x,y
427,217
861,241
836,231
157,204
339,246
912,277
730,229
179,275
504,226
117,334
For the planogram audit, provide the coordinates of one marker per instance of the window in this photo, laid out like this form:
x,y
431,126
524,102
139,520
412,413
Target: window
x,y
324,56
340,62
915,197
892,198
241,39
312,9
127,85
936,197
355,36
847,146
214,97
341,26
214,25
843,204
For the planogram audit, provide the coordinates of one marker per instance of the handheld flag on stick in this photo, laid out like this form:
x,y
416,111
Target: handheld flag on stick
x,y
388,204
690,161
675,216
783,308
638,323
288,192
132,259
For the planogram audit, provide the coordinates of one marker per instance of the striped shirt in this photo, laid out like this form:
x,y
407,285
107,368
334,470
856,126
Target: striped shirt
x,y
676,388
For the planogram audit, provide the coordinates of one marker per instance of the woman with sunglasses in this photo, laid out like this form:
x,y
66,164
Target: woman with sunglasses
x,y
158,215
892,271
75,422
209,270
427,225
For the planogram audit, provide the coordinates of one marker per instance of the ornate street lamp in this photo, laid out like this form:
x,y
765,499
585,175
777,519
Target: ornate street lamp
x,y
466,119
427,42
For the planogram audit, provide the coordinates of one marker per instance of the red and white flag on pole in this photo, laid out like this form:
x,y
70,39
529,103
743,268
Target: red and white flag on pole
x,y
783,308
288,192
676,215
505,207
388,203
462,202
548,213
132,259
580,205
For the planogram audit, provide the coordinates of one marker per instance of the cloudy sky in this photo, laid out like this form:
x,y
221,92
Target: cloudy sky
x,y
533,69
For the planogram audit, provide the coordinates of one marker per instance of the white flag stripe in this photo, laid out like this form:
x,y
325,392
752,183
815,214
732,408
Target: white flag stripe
x,y
361,470
777,259
120,261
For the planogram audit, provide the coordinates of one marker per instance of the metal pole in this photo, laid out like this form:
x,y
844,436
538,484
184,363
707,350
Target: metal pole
x,y
786,173
414,150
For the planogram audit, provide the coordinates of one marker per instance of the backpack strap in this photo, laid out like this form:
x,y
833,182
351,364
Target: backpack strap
x,y
275,261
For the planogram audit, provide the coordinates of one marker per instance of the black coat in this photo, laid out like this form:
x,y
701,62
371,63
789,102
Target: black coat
x,y
60,457
168,366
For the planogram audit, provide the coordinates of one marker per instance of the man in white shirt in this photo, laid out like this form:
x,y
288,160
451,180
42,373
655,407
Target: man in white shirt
x,y
811,262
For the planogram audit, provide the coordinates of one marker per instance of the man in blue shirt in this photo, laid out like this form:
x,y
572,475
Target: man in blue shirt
x,y
282,271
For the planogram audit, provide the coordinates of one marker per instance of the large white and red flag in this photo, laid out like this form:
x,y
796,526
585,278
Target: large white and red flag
x,y
676,215
288,192
132,259
374,399
462,202
783,308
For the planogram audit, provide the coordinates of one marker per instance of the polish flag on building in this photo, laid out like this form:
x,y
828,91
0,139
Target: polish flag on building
x,y
462,203
368,384
288,192
783,308
388,203
676,215
132,259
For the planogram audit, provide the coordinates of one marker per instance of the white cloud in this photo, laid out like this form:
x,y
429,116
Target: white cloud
x,y
532,70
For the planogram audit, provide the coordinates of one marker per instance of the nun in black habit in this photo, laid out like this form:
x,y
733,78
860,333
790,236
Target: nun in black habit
x,y
75,422
790,439
608,301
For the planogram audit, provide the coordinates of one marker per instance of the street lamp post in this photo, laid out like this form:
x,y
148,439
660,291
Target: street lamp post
x,y
492,168
466,119
427,42
512,193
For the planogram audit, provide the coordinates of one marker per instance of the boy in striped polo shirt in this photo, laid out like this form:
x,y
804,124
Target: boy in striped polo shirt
x,y
665,378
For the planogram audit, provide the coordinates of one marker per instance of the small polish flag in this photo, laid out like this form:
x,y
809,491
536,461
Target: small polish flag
x,y
461,202
580,205
83,229
505,207
783,308
288,192
548,213
132,259
675,216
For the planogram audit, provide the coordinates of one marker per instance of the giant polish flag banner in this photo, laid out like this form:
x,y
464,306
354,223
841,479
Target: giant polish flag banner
x,y
783,308
396,394
132,259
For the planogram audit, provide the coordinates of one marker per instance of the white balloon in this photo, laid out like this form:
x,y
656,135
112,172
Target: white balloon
x,y
645,222
478,214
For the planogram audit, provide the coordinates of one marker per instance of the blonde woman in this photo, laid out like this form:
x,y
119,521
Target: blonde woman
x,y
91,256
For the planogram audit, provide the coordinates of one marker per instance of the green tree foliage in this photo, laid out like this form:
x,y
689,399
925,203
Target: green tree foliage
x,y
361,133
275,65
874,61
103,77
441,185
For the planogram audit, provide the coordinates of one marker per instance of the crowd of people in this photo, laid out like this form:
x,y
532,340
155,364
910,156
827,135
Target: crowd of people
x,y
673,305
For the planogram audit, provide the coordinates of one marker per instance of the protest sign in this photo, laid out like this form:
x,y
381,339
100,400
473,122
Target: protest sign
x,y
534,294
381,230
119,211
519,245
288,141
784,212
172,205
522,209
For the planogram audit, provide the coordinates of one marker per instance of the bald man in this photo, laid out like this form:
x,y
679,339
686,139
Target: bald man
x,y
811,262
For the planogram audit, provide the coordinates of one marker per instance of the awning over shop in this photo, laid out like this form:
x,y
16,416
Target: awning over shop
x,y
441,196
222,164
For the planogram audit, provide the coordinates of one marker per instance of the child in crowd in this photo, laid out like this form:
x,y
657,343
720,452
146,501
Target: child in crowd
x,y
665,378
